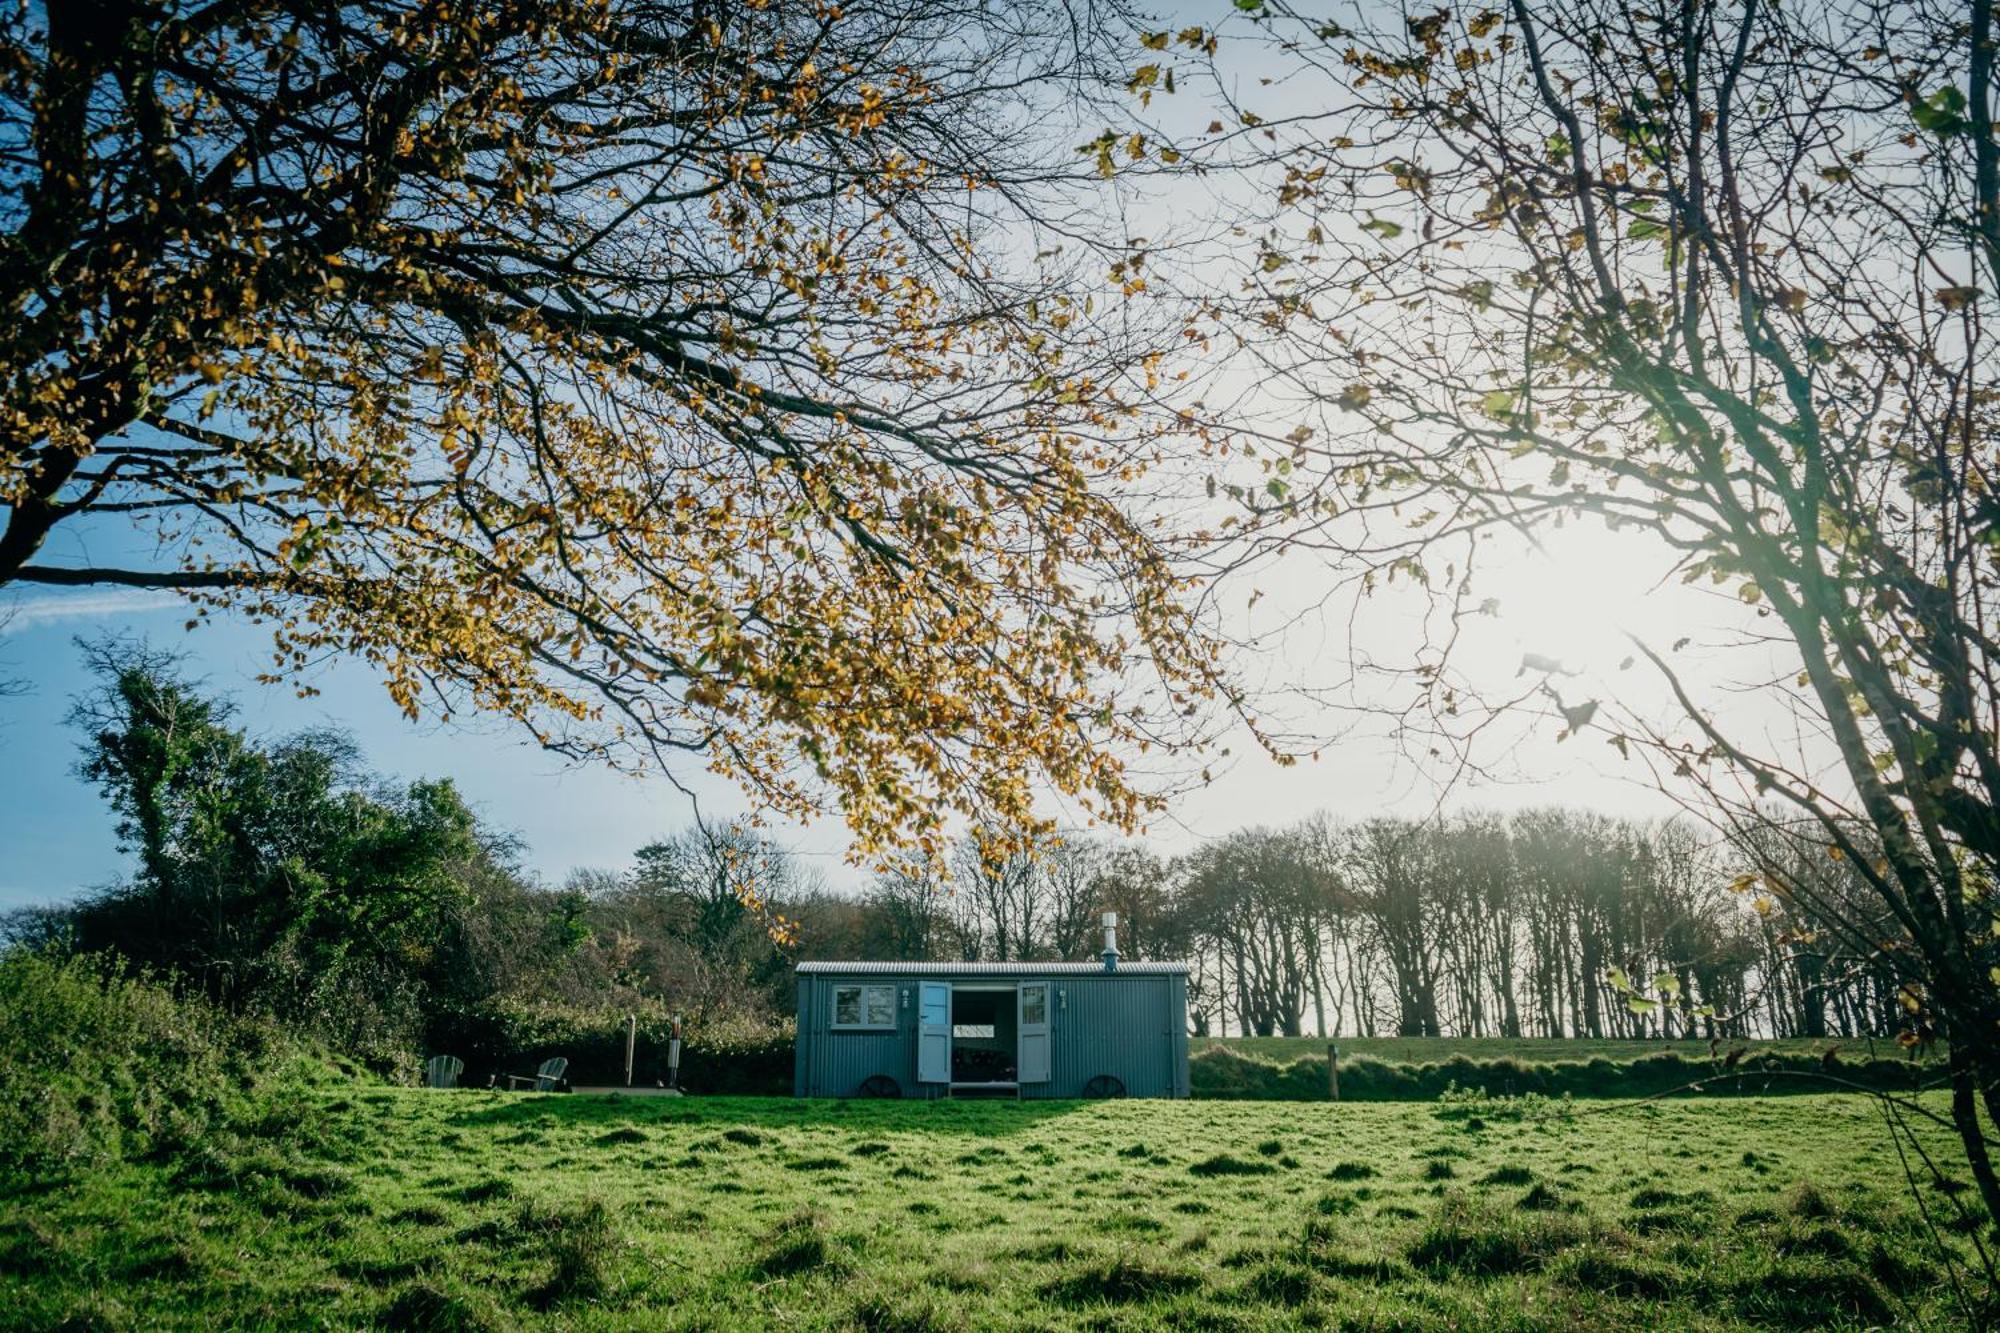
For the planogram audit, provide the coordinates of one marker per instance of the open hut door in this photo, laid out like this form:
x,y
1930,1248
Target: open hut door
x,y
1034,1029
934,1033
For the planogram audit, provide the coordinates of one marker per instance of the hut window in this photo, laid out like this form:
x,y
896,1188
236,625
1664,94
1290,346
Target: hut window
x,y
971,1029
864,1006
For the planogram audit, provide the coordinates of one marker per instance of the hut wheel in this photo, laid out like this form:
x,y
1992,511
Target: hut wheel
x,y
1104,1085
880,1085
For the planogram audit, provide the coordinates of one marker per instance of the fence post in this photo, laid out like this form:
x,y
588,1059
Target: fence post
x,y
1332,1072
631,1040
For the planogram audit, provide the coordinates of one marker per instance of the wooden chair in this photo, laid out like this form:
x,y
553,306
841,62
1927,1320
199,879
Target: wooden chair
x,y
544,1079
442,1071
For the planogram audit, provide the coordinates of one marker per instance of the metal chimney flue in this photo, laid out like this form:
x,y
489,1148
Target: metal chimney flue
x,y
1111,941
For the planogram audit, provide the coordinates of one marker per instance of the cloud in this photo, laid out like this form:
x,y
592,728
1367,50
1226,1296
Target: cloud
x,y
37,612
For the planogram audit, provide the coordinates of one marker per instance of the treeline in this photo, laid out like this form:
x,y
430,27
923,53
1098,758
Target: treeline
x,y
280,878
1549,923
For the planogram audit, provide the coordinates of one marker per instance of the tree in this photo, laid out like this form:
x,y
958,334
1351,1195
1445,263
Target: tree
x,y
273,878
910,908
645,371
1074,868
1393,867
1259,896
1718,274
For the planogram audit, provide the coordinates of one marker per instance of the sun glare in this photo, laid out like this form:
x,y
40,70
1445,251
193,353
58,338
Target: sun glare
x,y
1576,597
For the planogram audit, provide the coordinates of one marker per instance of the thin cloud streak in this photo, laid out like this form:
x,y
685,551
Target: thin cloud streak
x,y
37,612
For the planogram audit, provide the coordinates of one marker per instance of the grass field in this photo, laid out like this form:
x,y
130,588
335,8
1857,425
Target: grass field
x,y
1530,1050
407,1209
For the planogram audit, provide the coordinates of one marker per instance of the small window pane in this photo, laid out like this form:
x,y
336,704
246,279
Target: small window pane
x,y
864,1007
1034,1004
972,1030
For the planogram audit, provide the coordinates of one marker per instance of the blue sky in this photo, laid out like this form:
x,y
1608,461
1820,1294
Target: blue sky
x,y
59,839
58,833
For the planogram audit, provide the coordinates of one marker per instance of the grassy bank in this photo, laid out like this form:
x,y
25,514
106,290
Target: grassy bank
x,y
477,1210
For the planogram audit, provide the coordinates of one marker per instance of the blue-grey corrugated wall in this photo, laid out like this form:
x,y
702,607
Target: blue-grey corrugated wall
x,y
1133,1027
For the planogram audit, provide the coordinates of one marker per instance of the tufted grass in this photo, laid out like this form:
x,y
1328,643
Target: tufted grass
x,y
478,1210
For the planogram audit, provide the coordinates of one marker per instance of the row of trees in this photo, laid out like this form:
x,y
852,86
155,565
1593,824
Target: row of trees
x,y
1550,923
282,878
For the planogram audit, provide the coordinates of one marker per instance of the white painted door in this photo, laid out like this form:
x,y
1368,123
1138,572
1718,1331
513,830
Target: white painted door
x,y
1034,1027
934,1032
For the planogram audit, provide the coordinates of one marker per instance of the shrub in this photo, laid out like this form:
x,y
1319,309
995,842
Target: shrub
x,y
578,1241
102,1064
1470,1238
1224,1073
799,1244
1224,1164
722,1057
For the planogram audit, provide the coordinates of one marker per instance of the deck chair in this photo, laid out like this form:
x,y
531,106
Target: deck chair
x,y
543,1079
442,1071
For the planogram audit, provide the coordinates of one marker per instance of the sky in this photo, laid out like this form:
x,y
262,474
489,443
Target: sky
x,y
1577,600
1572,601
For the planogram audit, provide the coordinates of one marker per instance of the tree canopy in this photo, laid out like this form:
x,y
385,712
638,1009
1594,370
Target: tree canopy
x,y
1717,274
659,374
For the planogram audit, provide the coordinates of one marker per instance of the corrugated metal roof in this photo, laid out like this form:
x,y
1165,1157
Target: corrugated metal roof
x,y
857,968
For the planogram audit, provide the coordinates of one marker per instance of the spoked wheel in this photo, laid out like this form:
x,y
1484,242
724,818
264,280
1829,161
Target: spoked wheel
x,y
880,1086
1104,1085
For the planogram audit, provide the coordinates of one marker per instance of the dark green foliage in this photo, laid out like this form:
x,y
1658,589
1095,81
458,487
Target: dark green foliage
x,y
1805,1200
428,1307
578,1243
1543,1198
484,1190
797,1245
273,878
102,1064
629,1134
1229,1073
817,1164
1598,1268
505,1035
1223,1164
1123,1280
1281,1283
1471,1239
1810,1294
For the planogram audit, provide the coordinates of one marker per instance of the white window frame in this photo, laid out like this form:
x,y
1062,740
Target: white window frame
x,y
863,1008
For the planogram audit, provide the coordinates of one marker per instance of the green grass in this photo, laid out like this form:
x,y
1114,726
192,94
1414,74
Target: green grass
x,y
1526,1050
469,1210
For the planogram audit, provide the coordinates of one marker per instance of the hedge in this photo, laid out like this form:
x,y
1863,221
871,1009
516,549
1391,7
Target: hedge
x,y
725,1057
102,1064
1223,1074
747,1060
